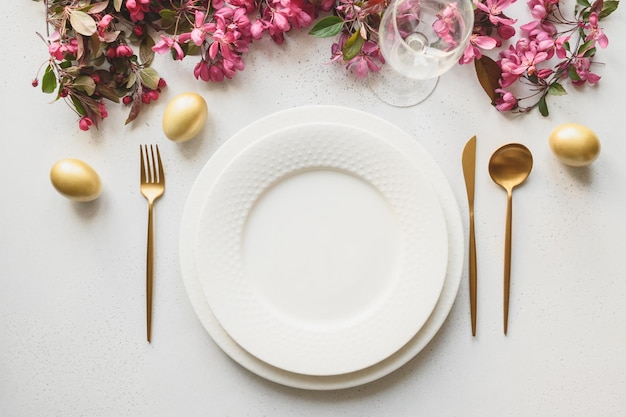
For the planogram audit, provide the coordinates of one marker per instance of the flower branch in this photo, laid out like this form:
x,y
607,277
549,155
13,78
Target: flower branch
x,y
101,51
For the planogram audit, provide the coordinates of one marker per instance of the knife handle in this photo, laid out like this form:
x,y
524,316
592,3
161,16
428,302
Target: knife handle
x,y
472,273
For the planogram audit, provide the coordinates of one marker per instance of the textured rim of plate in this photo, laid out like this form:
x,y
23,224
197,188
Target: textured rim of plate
x,y
337,114
298,345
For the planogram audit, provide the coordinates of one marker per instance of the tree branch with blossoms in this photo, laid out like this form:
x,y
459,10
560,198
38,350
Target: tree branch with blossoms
x,y
101,51
91,59
550,50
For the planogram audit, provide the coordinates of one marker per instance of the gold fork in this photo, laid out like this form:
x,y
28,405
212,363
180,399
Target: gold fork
x,y
152,187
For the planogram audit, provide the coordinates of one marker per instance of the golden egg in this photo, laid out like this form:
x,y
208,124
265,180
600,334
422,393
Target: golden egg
x,y
184,117
76,180
574,144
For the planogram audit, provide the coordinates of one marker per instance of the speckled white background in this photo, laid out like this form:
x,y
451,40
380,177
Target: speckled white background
x,y
72,276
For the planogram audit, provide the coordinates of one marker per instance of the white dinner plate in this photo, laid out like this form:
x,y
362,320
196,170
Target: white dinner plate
x,y
238,143
321,249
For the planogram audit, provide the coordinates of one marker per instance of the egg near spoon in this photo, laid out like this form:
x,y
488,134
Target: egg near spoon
x,y
574,144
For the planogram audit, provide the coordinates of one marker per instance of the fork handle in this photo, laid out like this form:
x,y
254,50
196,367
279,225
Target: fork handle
x,y
149,273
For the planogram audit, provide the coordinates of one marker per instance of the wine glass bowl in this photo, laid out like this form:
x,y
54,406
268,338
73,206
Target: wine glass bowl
x,y
420,40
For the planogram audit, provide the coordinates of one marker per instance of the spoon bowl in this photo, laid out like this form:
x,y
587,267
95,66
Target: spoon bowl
x,y
509,167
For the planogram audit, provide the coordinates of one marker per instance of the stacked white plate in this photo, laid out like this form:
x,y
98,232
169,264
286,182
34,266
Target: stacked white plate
x,y
321,247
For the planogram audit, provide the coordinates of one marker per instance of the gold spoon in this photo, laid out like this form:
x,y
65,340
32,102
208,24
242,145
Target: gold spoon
x,y
509,166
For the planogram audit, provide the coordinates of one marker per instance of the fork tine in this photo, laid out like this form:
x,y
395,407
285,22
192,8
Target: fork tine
x,y
143,165
160,166
153,170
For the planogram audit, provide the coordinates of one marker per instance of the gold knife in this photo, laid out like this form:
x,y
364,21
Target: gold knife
x,y
469,172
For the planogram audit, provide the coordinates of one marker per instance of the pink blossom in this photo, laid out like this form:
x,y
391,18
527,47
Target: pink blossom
x,y
201,71
560,46
166,44
301,13
544,73
280,16
505,101
59,50
538,26
474,46
495,9
326,5
137,9
446,25
85,123
103,110
123,50
506,31
508,56
248,5
596,33
105,21
541,9
582,68
200,29
525,59
369,59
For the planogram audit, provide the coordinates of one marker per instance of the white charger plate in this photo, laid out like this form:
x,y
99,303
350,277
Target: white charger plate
x,y
238,143
321,249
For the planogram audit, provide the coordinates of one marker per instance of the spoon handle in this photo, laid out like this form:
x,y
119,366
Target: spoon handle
x,y
507,258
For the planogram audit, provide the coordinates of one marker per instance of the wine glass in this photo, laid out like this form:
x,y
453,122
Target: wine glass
x,y
420,40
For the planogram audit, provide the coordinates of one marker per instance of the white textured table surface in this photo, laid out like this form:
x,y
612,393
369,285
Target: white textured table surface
x,y
72,276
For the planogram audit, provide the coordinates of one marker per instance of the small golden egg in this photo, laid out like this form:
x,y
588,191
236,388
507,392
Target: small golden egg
x,y
574,144
184,117
76,180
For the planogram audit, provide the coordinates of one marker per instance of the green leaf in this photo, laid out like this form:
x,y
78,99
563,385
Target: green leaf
x,y
82,23
590,52
78,105
85,83
583,3
572,74
586,46
146,54
543,106
168,19
488,72
117,4
556,89
327,27
150,78
609,7
132,79
353,46
49,81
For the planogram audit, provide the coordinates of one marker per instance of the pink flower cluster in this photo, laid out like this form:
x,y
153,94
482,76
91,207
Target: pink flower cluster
x,y
447,25
369,59
137,9
60,48
93,45
225,34
356,16
542,55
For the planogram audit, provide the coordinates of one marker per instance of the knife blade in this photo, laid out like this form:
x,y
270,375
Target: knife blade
x,y
469,172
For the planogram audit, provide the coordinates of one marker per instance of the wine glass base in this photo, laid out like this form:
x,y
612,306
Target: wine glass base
x,y
399,91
